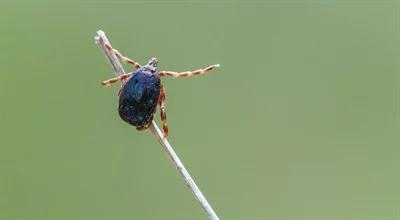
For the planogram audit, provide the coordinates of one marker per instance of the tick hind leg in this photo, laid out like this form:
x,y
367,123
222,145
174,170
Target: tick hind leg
x,y
163,114
122,57
188,73
116,79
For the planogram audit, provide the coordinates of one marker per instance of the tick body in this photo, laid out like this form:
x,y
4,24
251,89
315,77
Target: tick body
x,y
142,91
139,97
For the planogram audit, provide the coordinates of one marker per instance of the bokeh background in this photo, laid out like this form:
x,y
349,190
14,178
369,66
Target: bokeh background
x,y
301,122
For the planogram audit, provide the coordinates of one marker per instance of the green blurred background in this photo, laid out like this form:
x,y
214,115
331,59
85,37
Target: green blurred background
x,y
300,122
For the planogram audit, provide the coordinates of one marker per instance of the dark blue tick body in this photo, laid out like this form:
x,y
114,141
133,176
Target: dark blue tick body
x,y
142,91
138,98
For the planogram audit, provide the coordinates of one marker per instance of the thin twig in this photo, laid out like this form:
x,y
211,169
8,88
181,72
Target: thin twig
x,y
116,65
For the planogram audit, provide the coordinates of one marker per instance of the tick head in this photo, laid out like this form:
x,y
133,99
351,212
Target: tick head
x,y
153,62
152,65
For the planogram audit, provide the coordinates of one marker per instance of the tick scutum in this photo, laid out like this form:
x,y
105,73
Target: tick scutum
x,y
138,98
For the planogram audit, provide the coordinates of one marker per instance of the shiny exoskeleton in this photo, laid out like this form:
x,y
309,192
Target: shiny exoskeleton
x,y
139,96
142,91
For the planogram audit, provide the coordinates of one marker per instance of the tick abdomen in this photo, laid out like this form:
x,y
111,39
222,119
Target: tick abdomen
x,y
139,97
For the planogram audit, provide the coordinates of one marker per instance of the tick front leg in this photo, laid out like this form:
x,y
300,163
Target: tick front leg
x,y
122,57
188,73
116,79
163,112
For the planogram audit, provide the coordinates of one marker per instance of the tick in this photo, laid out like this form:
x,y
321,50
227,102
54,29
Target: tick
x,y
142,91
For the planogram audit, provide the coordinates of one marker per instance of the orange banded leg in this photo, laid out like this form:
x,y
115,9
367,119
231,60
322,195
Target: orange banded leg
x,y
116,79
122,57
188,73
163,113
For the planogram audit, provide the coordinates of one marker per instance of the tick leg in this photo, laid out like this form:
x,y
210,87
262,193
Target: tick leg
x,y
116,79
188,73
122,57
163,113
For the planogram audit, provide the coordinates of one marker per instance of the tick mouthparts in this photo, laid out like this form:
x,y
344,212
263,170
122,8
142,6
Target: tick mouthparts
x,y
153,62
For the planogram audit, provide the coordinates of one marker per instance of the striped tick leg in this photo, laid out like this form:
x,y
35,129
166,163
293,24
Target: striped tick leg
x,y
116,79
188,73
163,114
122,57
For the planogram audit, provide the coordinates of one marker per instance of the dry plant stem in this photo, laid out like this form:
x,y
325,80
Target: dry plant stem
x,y
116,65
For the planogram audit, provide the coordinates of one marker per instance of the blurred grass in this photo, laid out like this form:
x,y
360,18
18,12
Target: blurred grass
x,y
300,122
